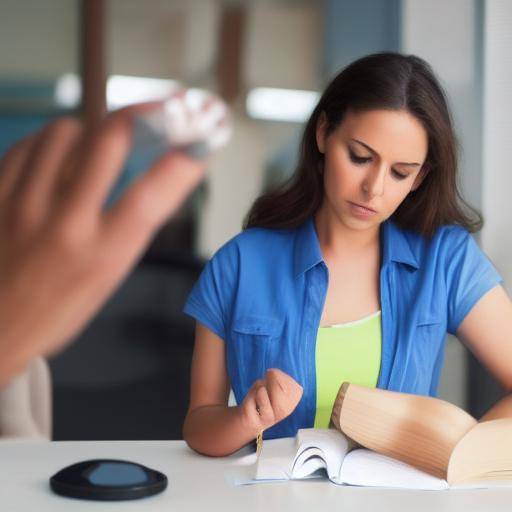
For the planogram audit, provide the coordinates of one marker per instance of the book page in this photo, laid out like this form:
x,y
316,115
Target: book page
x,y
484,484
301,457
419,430
484,454
276,459
367,468
309,461
331,447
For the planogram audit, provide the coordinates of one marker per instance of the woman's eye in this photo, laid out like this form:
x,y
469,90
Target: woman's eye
x,y
359,159
398,175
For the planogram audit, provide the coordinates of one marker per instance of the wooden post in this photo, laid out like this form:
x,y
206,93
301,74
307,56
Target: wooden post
x,y
230,54
93,68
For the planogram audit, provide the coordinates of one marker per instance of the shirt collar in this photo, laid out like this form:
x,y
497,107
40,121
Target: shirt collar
x,y
395,247
307,248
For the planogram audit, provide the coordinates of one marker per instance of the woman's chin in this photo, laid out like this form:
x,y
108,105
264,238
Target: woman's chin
x,y
359,224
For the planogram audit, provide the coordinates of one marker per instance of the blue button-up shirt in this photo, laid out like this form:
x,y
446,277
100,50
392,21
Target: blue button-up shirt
x,y
263,293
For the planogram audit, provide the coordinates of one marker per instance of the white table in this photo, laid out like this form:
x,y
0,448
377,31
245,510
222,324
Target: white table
x,y
198,483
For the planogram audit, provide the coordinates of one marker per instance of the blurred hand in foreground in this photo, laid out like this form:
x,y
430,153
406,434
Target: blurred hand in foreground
x,y
62,254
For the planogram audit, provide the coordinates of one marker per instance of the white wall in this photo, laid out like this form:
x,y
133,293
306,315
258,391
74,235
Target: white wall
x,y
38,39
174,39
283,45
497,137
445,34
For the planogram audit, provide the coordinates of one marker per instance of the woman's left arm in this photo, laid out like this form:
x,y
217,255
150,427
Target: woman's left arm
x,y
487,332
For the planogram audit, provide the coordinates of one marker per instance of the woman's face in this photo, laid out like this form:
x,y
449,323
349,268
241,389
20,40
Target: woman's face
x,y
372,161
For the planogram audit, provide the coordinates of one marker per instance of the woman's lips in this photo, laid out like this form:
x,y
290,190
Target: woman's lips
x,y
360,210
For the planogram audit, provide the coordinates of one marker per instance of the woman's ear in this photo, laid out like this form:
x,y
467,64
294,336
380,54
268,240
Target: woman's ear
x,y
421,176
321,130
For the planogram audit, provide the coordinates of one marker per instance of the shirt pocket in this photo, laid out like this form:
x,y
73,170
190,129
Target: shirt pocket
x,y
428,338
254,339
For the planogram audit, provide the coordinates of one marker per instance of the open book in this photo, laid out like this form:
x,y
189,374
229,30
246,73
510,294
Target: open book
x,y
430,434
326,452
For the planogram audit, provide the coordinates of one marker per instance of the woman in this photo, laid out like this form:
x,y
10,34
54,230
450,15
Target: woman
x,y
354,271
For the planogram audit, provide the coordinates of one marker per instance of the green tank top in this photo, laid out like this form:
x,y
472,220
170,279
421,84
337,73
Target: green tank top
x,y
345,352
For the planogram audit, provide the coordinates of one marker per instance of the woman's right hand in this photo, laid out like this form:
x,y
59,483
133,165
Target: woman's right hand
x,y
269,401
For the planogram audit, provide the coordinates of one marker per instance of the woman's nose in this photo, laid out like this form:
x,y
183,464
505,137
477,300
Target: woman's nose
x,y
373,185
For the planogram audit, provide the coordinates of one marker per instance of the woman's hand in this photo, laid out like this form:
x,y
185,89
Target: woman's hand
x,y
62,254
269,401
211,426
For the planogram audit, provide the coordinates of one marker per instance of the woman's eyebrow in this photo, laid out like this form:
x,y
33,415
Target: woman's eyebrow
x,y
375,153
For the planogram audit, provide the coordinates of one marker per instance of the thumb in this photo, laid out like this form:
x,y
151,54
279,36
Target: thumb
x,y
284,392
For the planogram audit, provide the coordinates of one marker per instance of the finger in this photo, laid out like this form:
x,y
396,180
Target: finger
x,y
287,383
254,389
284,393
71,166
257,384
151,200
36,191
278,400
12,164
264,407
251,394
102,157
213,115
250,412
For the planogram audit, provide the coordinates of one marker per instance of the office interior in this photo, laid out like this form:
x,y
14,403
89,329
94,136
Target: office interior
x,y
126,376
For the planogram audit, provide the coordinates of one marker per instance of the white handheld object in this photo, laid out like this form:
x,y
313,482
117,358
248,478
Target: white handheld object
x,y
192,120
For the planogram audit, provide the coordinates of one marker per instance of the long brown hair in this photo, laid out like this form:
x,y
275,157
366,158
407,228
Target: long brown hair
x,y
378,81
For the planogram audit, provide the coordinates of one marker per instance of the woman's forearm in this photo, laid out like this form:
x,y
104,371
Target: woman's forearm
x,y
502,409
216,430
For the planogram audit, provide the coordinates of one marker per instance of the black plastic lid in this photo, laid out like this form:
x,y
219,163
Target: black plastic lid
x,y
108,479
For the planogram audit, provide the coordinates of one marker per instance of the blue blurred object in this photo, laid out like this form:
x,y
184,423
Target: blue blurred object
x,y
14,127
146,148
116,473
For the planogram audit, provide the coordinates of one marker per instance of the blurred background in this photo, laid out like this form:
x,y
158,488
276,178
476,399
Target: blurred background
x,y
127,375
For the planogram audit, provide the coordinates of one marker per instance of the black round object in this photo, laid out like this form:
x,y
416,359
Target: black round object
x,y
107,479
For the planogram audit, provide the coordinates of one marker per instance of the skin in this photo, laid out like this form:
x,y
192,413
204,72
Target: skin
x,y
350,245
379,179
62,255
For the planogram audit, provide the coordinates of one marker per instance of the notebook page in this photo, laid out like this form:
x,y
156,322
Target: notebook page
x,y
367,468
